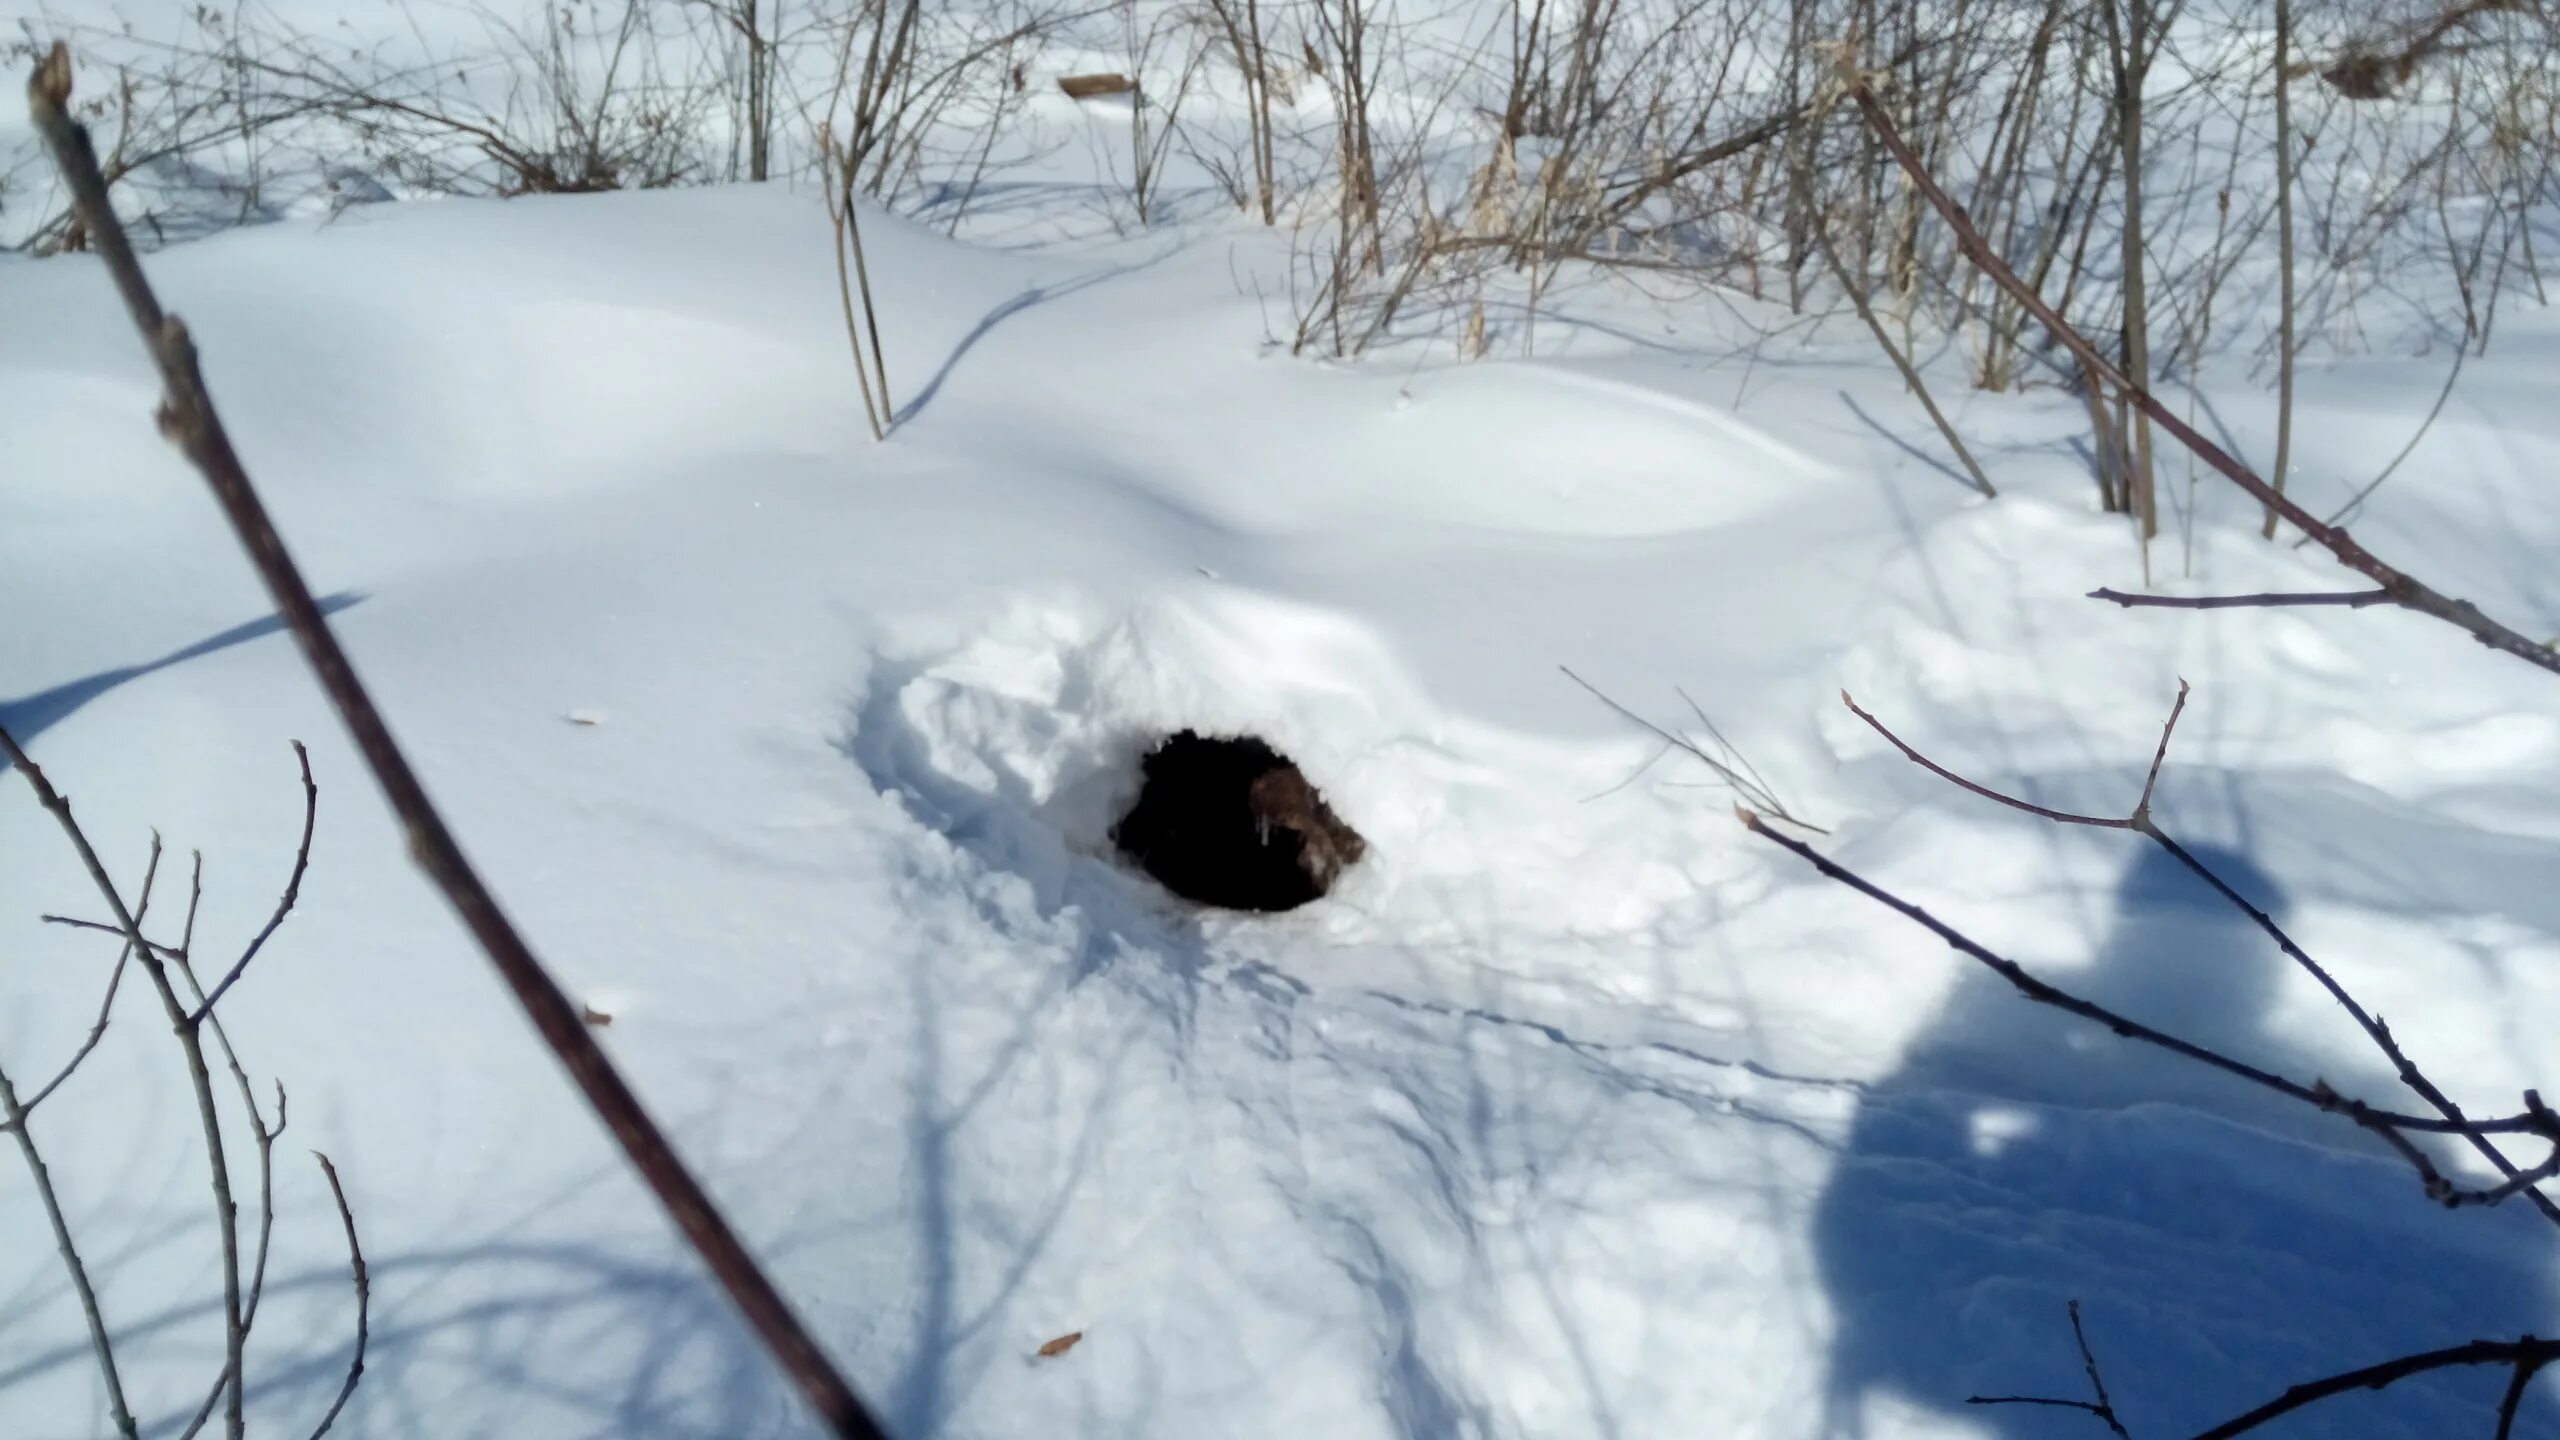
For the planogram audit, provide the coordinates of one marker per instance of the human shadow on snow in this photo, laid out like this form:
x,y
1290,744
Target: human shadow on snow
x,y
2224,1243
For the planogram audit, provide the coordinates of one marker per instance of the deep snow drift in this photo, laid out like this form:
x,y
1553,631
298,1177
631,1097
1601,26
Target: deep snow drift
x,y
1572,1111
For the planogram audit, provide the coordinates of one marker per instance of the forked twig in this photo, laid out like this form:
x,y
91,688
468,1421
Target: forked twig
x,y
2536,1120
2319,1097
106,1006
284,905
2102,1407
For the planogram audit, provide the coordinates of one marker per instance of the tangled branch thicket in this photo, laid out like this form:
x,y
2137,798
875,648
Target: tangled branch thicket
x,y
1442,167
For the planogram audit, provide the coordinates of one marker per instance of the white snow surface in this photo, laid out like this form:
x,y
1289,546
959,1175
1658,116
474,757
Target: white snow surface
x,y
1574,1111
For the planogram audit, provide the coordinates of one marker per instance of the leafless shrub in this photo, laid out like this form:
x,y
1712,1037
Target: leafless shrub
x,y
582,99
1155,115
853,285
1239,22
191,1010
2376,67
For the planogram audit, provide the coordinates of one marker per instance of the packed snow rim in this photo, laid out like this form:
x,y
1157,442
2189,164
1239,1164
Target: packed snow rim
x,y
1231,822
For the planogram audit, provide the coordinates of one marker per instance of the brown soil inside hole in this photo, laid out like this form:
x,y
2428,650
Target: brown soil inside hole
x,y
1231,822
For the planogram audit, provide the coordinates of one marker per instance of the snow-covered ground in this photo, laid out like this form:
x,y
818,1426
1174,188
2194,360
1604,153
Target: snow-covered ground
x,y
1573,1111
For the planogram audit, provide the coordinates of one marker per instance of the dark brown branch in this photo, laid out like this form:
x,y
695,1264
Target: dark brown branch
x,y
188,418
2271,600
2097,1382
2160,756
2537,1121
2318,1097
2405,590
2513,1401
284,905
2088,1406
2065,817
2407,1071
2520,1353
364,1296
2102,1407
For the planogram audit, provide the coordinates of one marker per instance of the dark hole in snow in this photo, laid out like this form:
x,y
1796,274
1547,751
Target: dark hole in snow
x,y
1231,822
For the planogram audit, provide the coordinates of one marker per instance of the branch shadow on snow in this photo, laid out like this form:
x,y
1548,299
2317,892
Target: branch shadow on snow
x,y
1899,442
994,319
2222,1246
483,1324
28,716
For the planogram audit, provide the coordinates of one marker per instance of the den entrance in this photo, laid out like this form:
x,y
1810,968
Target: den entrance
x,y
1231,822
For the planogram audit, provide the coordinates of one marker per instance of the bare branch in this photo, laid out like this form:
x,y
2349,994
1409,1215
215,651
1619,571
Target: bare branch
x,y
165,952
284,905
364,1296
2150,782
2063,817
2102,1407
2519,1353
2537,1121
106,1006
100,1343
2271,600
2319,1097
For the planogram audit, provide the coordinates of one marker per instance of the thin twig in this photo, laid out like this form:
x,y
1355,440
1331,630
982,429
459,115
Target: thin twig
x,y
165,952
2271,600
100,1343
1738,775
364,1296
2160,756
284,905
266,1134
2102,1407
2065,817
188,418
106,1007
